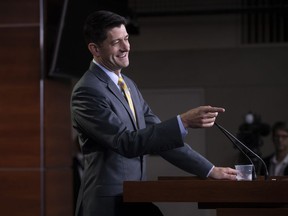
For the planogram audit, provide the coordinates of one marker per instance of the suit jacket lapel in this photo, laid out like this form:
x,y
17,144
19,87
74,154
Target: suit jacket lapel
x,y
135,98
97,71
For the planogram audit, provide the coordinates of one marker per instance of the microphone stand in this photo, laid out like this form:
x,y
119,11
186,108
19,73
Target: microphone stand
x,y
237,142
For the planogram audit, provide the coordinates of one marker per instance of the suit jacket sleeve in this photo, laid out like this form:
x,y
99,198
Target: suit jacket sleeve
x,y
183,157
188,160
103,124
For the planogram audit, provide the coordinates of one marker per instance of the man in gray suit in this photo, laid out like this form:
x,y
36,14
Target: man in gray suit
x,y
115,137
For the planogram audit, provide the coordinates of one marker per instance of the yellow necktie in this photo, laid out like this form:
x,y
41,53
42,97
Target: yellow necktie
x,y
125,89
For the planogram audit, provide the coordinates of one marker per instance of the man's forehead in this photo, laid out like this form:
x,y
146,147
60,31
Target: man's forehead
x,y
116,31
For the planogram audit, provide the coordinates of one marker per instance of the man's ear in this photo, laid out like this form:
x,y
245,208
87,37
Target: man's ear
x,y
94,49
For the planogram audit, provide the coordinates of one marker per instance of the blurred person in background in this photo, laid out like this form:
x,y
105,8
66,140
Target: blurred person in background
x,y
277,163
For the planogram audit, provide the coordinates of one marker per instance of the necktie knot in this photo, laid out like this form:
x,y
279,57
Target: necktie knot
x,y
122,84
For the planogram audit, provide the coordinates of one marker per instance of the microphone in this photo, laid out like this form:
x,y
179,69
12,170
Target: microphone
x,y
237,142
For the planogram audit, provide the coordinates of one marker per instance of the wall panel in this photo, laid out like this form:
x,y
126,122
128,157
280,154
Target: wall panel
x,y
58,146
35,170
19,96
19,12
20,192
59,192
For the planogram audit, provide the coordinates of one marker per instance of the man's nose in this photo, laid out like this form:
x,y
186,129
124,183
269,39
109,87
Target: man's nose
x,y
125,46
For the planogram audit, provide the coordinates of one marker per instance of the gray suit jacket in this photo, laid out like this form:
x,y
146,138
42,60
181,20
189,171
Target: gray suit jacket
x,y
114,146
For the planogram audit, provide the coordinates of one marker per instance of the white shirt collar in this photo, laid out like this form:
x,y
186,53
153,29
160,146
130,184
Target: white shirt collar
x,y
111,74
277,168
274,160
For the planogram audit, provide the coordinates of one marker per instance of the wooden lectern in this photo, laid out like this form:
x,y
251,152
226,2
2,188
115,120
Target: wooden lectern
x,y
235,198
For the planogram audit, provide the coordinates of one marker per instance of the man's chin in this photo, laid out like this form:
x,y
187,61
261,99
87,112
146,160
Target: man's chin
x,y
125,65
